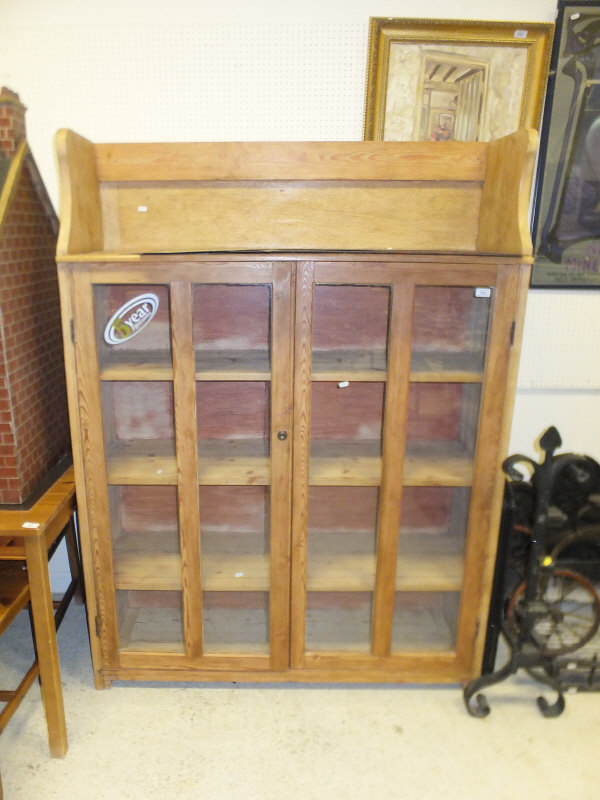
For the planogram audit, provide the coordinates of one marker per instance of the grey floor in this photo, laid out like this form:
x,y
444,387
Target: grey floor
x,y
224,741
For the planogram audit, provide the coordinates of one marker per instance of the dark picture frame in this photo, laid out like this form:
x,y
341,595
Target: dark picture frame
x,y
566,217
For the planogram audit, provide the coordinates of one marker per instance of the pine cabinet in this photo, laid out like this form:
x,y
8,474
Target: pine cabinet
x,y
287,449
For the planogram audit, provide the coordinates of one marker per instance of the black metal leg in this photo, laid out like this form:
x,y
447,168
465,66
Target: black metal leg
x,y
522,656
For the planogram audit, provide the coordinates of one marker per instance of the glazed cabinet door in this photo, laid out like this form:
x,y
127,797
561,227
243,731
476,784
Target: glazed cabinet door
x,y
399,389
185,398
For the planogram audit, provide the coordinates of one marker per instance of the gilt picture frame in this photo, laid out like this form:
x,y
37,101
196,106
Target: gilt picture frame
x,y
566,218
484,79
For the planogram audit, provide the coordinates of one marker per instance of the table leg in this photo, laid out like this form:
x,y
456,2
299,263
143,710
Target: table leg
x,y
47,649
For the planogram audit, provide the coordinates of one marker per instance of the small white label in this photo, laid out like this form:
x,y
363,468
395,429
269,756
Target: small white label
x,y
142,209
159,471
520,34
32,525
239,574
483,291
575,16
343,384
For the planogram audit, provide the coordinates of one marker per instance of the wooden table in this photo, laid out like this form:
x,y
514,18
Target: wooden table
x,y
29,535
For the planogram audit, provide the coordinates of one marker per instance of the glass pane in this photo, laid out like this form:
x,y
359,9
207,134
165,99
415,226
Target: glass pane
x,y
350,331
342,544
235,559
431,548
232,331
349,363
339,621
138,431
450,327
233,431
132,331
442,431
236,622
425,621
450,330
147,566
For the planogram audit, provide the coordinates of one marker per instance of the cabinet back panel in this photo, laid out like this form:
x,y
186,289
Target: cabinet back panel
x,y
448,318
350,316
142,409
147,508
426,507
353,412
235,508
332,508
232,317
434,411
228,409
290,216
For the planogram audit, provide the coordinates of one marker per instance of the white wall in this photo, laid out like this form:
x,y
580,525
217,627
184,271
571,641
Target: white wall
x,y
159,70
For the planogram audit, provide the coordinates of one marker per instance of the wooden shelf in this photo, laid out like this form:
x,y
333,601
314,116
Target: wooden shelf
x,y
236,630
370,365
141,462
220,463
423,630
152,561
236,462
426,563
136,365
211,365
355,365
227,629
449,367
233,365
151,629
338,463
350,629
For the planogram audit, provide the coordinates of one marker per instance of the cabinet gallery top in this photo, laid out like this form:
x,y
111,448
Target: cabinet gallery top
x,y
450,197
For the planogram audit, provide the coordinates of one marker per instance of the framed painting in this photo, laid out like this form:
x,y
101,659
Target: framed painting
x,y
454,79
566,229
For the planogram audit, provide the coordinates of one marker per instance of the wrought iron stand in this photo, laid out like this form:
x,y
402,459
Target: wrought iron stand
x,y
521,632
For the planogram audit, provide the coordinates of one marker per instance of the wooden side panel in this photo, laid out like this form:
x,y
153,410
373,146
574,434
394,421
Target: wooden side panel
x,y
487,477
87,551
504,220
226,161
80,213
91,442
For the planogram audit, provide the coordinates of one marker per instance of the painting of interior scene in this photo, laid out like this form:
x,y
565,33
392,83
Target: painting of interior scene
x,y
451,92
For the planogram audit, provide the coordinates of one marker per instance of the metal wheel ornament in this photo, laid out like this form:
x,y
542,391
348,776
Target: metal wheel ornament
x,y
565,612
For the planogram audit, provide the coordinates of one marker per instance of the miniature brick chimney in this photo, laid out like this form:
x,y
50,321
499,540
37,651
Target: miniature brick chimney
x,y
34,432
12,121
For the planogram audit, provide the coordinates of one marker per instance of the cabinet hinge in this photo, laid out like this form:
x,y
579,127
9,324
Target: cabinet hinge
x,y
73,331
512,333
97,625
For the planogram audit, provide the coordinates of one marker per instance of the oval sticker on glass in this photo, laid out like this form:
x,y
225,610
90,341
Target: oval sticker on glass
x,y
131,318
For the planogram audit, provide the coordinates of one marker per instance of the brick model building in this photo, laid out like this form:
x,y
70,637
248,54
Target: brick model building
x,y
34,430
